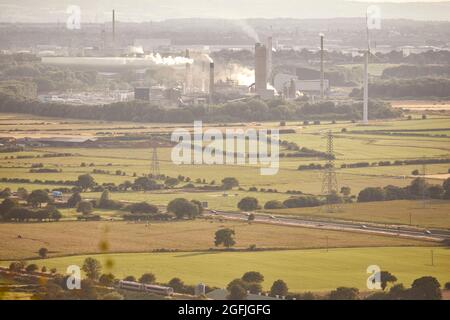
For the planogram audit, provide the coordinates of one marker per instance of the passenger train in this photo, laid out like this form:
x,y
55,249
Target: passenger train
x,y
136,286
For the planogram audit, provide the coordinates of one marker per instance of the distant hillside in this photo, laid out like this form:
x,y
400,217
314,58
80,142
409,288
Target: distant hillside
x,y
144,10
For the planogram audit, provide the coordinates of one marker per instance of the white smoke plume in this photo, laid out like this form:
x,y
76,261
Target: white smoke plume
x,y
156,58
243,75
270,87
208,58
247,29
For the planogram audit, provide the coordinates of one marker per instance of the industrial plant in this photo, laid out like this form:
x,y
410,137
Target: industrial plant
x,y
195,78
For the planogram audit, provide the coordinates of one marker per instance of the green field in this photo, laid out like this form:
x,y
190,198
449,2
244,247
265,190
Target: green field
x,y
303,270
349,148
296,255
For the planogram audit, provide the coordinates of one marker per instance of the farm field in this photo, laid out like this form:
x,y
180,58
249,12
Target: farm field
x,y
434,214
73,237
421,105
302,270
295,254
349,148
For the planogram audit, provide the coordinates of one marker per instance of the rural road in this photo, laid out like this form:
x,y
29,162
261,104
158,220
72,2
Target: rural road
x,y
434,235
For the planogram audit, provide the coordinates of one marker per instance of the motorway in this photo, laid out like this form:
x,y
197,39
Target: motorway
x,y
363,227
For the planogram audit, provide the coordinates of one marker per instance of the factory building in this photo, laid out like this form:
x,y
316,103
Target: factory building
x,y
142,93
292,87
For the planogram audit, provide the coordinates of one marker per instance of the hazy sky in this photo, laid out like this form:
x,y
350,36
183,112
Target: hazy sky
x,y
144,10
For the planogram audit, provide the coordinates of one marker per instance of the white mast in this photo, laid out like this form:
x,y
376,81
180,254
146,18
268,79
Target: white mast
x,y
321,67
366,78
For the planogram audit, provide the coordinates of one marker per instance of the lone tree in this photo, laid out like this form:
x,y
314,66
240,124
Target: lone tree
x,y
385,277
182,207
177,284
73,200
85,181
426,288
92,267
248,204
280,288
171,182
147,278
344,293
5,206
229,183
346,191
274,204
104,200
446,186
32,268
37,197
142,207
199,205
447,286
371,194
43,252
107,279
253,276
85,207
226,237
237,292
130,278
16,266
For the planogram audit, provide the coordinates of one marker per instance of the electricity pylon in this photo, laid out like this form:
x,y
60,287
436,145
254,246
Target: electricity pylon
x,y
329,179
154,168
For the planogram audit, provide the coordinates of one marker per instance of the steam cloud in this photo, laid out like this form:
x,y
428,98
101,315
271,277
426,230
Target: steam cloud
x,y
208,58
248,30
168,61
243,75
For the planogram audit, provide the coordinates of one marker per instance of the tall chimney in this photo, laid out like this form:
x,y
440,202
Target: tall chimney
x,y
269,58
211,80
188,80
321,68
260,68
114,25
366,88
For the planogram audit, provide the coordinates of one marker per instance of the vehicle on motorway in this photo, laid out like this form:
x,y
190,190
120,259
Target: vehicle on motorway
x,y
427,232
151,288
272,217
363,226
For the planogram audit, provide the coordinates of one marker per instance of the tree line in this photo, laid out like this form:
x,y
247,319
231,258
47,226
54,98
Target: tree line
x,y
407,88
416,71
418,189
252,110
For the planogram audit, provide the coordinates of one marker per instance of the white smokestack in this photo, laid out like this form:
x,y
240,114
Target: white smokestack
x,y
321,67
